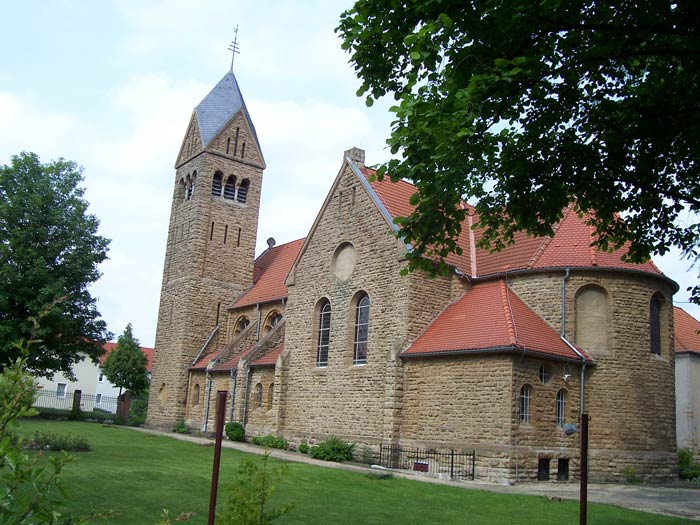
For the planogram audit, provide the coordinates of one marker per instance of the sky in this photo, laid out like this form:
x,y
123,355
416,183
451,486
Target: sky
x,y
111,85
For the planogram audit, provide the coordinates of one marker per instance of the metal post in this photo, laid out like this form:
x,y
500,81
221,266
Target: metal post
x,y
583,497
473,463
220,415
452,463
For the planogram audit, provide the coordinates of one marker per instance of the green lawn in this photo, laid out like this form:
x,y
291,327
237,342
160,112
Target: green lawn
x,y
137,475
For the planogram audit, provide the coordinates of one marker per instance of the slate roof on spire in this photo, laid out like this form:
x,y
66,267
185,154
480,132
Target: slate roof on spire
x,y
219,107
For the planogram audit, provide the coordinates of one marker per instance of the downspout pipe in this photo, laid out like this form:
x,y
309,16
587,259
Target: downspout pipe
x,y
568,343
207,404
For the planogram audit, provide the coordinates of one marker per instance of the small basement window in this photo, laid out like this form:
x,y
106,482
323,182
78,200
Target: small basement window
x,y
563,469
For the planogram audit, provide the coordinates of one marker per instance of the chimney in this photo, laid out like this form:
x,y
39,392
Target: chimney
x,y
356,155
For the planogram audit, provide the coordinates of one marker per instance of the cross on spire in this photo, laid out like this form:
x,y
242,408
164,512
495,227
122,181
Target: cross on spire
x,y
233,46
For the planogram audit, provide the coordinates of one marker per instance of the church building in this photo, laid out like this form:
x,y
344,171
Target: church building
x,y
323,335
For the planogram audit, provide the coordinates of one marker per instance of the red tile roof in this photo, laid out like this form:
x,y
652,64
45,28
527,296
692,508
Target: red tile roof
x,y
270,273
569,247
686,326
109,347
270,358
490,318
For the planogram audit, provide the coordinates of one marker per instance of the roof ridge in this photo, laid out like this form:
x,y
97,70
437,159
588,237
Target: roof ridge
x,y
548,240
510,321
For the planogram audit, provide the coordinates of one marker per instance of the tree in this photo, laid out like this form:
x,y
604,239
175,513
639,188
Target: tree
x,y
49,253
527,106
125,367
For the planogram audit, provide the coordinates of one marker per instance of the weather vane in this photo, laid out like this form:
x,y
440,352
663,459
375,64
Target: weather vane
x,y
233,46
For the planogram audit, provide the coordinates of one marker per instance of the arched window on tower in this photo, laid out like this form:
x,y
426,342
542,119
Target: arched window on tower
x,y
192,183
524,405
188,188
216,184
243,190
658,323
230,188
181,190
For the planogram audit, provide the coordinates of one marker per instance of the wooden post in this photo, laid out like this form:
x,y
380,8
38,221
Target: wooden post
x,y
77,395
220,415
583,496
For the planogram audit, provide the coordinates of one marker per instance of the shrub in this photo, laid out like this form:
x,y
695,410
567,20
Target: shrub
x,y
57,442
247,497
687,468
180,427
366,455
631,475
234,431
333,449
270,441
138,411
303,448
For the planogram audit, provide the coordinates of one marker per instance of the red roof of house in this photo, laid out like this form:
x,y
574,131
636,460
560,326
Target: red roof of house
x,y
569,247
109,347
687,338
490,318
270,358
270,273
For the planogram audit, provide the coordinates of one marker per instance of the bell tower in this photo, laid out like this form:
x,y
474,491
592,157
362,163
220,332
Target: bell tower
x,y
211,239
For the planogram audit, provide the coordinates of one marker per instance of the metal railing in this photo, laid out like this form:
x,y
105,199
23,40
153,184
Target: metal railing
x,y
457,464
64,401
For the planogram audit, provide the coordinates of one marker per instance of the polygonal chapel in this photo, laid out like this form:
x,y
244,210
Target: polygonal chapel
x,y
323,336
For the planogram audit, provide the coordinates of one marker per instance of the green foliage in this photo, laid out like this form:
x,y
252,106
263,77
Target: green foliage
x,y
255,483
234,431
138,412
366,455
49,255
631,476
180,427
125,366
57,442
31,492
333,449
687,468
528,106
303,448
270,441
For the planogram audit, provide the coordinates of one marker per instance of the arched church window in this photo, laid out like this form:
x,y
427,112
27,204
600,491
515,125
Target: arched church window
x,y
258,395
195,396
188,188
216,184
230,188
657,323
270,394
591,318
525,397
243,190
560,415
324,332
181,191
361,330
241,325
271,321
192,184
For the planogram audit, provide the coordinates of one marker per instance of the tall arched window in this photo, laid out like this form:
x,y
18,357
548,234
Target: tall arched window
x,y
241,325
258,395
230,188
560,411
188,188
270,394
181,190
324,332
195,395
243,190
656,322
361,330
216,184
193,183
592,319
525,397
271,321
